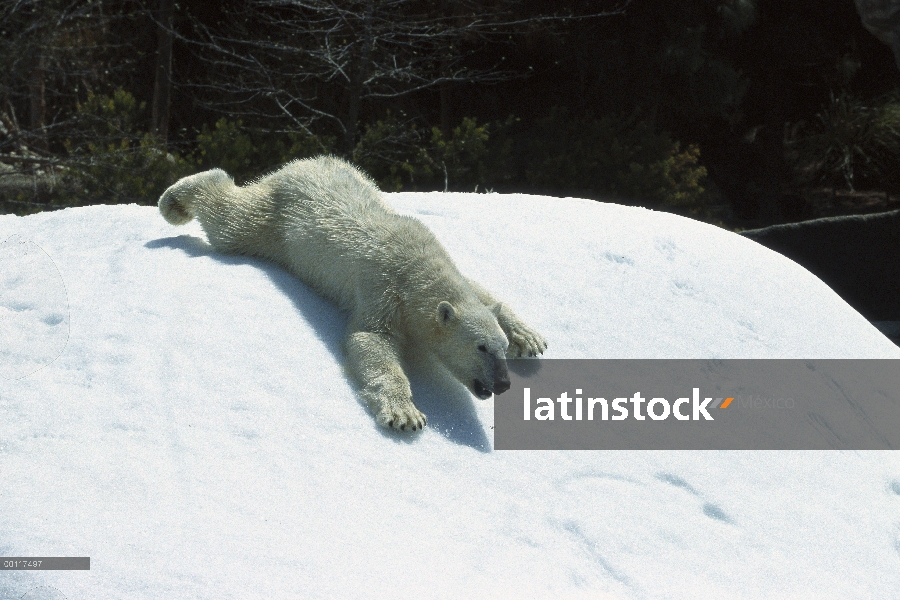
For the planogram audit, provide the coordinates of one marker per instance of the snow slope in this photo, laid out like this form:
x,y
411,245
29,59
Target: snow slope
x,y
197,438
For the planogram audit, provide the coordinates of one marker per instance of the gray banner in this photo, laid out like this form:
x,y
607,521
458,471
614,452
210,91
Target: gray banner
x,y
45,563
738,404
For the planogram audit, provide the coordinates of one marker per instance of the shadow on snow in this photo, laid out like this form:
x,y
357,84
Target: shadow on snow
x,y
446,402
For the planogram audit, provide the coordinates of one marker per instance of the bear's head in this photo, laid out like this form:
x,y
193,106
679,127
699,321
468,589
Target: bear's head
x,y
472,347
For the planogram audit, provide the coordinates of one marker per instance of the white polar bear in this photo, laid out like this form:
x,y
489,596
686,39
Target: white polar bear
x,y
326,222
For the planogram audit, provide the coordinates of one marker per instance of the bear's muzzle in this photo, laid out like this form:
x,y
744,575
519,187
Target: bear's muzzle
x,y
501,376
499,385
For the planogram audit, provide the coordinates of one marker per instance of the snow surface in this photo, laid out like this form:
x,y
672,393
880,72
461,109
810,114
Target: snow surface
x,y
196,436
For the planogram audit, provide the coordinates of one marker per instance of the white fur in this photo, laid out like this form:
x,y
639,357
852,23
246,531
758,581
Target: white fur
x,y
326,222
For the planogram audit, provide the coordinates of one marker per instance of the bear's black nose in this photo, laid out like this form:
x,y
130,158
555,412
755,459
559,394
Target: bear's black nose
x,y
501,376
501,385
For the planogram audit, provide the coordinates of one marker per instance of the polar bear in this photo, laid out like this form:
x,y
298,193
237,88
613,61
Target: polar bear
x,y
326,222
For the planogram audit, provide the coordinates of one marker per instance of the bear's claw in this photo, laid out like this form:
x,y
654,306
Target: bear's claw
x,y
524,341
402,418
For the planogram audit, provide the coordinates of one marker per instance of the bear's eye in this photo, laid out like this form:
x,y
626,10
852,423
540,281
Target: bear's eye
x,y
482,348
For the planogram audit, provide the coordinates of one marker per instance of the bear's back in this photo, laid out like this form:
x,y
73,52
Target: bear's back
x,y
339,235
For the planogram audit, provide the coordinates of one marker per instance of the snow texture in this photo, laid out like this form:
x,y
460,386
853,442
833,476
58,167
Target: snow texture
x,y
182,418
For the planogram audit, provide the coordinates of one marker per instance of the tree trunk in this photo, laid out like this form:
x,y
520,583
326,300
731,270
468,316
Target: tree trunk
x,y
37,105
444,90
357,82
352,125
162,89
445,106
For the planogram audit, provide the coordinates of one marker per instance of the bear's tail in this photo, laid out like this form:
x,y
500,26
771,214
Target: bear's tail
x,y
178,204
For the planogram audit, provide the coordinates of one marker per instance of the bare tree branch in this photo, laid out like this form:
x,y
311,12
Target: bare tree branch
x,y
299,62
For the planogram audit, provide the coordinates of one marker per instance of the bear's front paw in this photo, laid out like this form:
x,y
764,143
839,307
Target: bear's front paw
x,y
404,418
524,341
391,399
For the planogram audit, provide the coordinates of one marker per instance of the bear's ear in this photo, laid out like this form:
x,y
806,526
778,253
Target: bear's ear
x,y
495,308
446,313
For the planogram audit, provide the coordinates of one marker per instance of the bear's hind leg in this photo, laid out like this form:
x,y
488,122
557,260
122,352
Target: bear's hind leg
x,y
374,360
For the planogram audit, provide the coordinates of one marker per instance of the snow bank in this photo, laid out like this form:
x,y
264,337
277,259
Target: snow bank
x,y
197,437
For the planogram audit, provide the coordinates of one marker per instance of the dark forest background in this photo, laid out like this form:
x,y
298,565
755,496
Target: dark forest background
x,y
739,112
